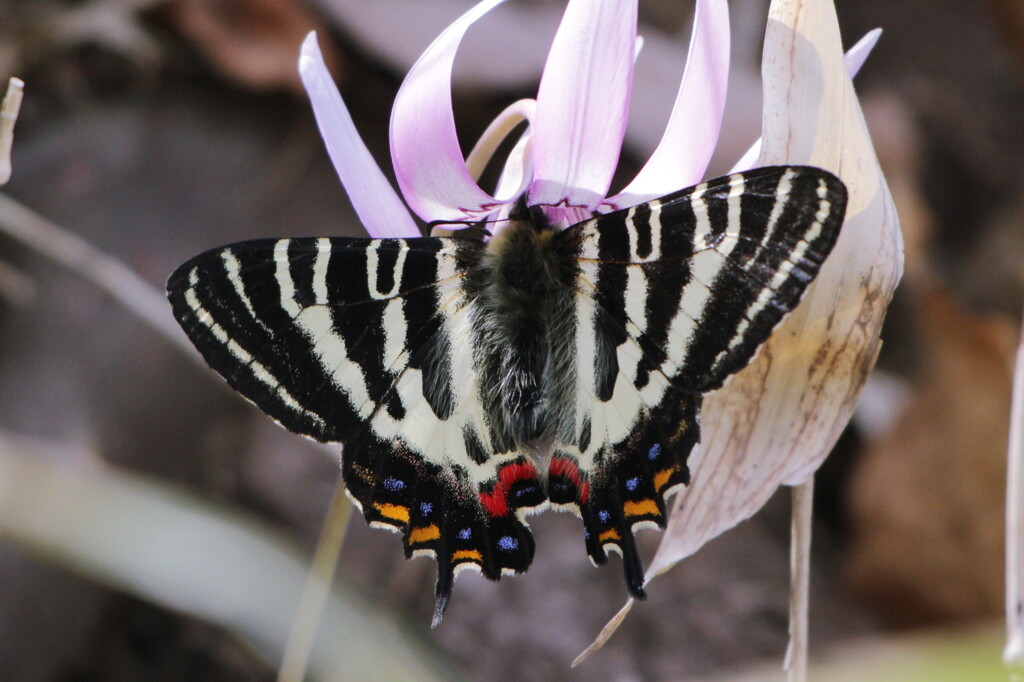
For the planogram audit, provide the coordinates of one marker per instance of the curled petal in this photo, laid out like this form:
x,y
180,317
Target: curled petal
x,y
425,149
854,59
374,199
682,156
519,167
775,421
583,103
518,171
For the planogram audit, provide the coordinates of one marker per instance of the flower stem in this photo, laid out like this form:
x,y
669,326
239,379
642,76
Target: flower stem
x,y
1013,653
104,271
799,581
316,590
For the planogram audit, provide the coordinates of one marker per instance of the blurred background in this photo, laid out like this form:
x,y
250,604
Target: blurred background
x,y
155,526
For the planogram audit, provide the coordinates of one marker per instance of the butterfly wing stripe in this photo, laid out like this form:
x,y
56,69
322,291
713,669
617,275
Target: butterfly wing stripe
x,y
322,259
395,332
744,247
804,230
738,250
379,276
317,323
232,267
213,325
258,370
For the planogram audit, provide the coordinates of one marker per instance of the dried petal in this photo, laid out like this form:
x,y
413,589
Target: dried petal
x,y
777,419
375,201
854,59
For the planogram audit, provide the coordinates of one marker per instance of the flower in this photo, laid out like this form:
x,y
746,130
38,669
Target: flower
x,y
565,159
775,421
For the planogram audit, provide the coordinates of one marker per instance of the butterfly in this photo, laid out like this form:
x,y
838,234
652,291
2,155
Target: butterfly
x,y
474,382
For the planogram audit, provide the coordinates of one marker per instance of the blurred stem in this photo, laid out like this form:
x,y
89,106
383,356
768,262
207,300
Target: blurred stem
x,y
1013,653
317,589
106,272
60,503
799,581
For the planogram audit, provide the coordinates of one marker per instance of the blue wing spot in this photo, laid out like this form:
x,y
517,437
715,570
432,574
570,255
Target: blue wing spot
x,y
524,491
632,483
465,534
508,543
604,515
426,508
393,484
654,452
586,533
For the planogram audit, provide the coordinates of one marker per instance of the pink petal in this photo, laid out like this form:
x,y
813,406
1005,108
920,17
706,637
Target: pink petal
x,y
374,199
858,54
854,59
583,103
425,149
682,156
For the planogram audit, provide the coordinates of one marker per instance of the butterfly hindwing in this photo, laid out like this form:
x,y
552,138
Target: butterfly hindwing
x,y
673,297
366,342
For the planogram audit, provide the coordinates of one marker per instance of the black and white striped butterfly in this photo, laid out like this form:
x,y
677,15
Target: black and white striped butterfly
x,y
474,382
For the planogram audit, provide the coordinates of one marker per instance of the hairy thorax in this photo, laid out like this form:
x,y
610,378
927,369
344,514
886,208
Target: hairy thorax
x,y
525,326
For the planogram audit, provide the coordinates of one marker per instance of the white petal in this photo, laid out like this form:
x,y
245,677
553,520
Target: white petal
x,y
425,151
583,103
682,156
